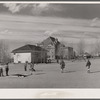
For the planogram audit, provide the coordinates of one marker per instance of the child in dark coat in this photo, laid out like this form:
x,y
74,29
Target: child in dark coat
x,y
62,63
25,66
1,71
7,68
88,64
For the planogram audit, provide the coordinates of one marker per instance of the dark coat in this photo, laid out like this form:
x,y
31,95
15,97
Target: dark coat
x,y
7,68
88,63
62,63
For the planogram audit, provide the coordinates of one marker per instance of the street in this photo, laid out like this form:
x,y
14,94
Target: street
x,y
49,76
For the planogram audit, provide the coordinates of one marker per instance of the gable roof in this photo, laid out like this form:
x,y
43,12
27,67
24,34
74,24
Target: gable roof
x,y
48,41
28,47
52,38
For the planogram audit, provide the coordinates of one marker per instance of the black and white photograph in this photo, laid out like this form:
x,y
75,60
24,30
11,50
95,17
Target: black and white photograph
x,y
49,45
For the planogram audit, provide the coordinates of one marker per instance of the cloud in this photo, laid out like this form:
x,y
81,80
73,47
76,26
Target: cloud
x,y
36,8
39,8
13,7
82,11
50,33
43,5
33,28
94,21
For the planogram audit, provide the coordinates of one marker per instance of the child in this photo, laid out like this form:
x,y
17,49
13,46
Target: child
x,y
25,66
88,64
62,63
32,67
1,72
7,69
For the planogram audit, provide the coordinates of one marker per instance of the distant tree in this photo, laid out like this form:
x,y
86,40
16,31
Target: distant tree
x,y
4,52
97,47
81,47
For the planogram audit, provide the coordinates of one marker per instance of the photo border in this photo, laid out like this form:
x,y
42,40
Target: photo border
x,y
67,93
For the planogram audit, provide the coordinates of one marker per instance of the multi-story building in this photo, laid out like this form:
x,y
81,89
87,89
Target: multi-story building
x,y
50,44
56,50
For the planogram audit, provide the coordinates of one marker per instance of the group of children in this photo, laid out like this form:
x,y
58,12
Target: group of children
x,y
4,67
88,64
62,63
31,66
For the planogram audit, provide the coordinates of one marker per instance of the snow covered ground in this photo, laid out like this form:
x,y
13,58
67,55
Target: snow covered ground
x,y
49,76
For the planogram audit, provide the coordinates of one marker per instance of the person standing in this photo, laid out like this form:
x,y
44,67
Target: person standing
x,y
88,64
1,70
7,68
62,63
57,60
25,66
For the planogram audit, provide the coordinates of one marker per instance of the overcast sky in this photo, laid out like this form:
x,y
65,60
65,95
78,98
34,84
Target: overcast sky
x,y
23,22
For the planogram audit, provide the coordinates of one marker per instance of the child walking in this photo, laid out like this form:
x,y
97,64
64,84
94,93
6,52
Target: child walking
x,y
32,67
88,64
62,63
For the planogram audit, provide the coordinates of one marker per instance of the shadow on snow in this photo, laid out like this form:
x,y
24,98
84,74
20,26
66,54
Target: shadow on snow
x,y
39,73
95,72
21,75
69,71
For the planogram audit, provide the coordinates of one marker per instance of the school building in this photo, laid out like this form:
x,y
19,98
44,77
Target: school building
x,y
30,53
56,50
50,44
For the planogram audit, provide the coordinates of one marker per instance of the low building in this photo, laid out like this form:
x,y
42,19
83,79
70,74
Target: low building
x,y
68,53
30,53
65,52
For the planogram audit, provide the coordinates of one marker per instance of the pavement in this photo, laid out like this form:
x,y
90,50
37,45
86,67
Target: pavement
x,y
49,76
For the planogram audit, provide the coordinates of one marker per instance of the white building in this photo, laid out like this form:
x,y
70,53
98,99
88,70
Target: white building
x,y
22,57
30,53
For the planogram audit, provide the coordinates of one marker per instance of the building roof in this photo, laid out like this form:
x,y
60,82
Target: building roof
x,y
52,38
28,47
49,40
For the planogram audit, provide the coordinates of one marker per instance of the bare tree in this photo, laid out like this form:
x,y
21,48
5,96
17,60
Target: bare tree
x,y
81,47
4,52
97,47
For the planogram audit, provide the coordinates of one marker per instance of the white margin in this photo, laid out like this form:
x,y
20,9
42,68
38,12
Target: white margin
x,y
50,93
